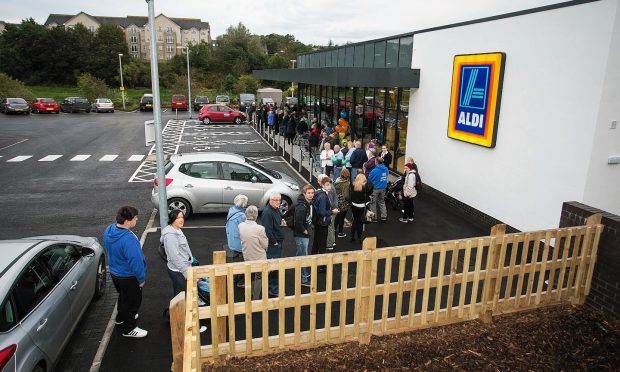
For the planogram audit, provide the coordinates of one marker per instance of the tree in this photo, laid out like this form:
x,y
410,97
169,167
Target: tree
x,y
13,88
91,87
229,83
246,83
107,43
19,54
238,51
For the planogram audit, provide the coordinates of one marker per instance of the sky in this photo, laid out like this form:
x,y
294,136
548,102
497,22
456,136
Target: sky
x,y
311,22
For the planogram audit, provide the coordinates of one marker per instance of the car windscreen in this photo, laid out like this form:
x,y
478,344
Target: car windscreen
x,y
202,99
47,100
179,98
270,172
147,99
17,100
81,100
104,100
246,97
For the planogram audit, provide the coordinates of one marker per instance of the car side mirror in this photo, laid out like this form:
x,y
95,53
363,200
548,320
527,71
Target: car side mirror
x,y
254,179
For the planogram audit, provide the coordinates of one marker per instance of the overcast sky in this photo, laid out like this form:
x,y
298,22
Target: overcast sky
x,y
311,22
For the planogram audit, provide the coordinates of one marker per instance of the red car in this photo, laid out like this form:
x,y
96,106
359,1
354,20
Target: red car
x,y
216,113
179,102
41,105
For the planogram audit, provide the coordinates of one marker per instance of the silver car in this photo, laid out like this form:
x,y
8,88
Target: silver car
x,y
46,285
209,182
103,105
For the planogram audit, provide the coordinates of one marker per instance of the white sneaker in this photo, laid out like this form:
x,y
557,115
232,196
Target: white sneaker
x,y
136,332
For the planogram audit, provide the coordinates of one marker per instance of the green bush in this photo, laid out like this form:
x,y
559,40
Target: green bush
x,y
14,88
91,87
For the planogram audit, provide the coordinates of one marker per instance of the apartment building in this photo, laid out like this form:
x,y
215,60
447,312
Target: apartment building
x,y
171,32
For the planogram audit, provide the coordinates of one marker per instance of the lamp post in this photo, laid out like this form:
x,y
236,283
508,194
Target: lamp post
x,y
120,64
189,84
292,83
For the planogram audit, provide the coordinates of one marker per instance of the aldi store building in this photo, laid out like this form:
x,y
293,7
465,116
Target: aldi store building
x,y
509,115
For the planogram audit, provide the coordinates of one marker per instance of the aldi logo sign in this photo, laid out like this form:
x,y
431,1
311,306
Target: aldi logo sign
x,y
476,95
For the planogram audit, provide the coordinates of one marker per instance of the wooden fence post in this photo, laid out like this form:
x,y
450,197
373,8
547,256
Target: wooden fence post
x,y
369,244
177,330
589,247
219,257
490,281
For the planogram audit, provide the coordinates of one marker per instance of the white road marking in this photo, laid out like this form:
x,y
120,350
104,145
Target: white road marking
x,y
108,158
50,158
19,158
80,157
16,143
136,158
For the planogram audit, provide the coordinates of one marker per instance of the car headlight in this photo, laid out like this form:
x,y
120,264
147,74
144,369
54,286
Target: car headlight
x,y
292,186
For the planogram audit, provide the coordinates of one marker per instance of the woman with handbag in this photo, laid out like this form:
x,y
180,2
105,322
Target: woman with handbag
x,y
360,193
409,190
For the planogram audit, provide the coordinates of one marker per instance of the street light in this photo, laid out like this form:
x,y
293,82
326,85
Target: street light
x,y
293,84
189,84
120,63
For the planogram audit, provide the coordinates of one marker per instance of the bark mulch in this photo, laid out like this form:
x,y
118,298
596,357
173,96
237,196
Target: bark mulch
x,y
565,338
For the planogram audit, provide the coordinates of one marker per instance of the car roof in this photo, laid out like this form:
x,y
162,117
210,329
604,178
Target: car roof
x,y
147,95
206,156
13,249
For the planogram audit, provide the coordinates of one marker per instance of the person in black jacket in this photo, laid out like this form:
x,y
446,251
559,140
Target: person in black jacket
x,y
360,197
323,217
357,159
291,129
386,155
303,224
272,221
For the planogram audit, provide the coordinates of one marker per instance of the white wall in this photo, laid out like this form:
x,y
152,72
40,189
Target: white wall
x,y
552,89
603,180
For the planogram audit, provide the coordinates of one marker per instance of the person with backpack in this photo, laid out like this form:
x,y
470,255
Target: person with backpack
x,y
322,215
342,187
409,190
299,218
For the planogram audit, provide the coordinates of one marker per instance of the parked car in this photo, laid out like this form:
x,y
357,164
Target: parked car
x,y
146,102
75,104
291,101
246,100
209,182
46,285
223,100
179,102
103,105
200,101
41,105
216,113
14,106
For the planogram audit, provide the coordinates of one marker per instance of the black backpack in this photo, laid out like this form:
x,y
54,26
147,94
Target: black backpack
x,y
289,217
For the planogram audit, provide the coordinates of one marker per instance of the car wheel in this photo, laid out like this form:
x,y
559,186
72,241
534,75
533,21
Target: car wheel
x,y
237,120
38,368
285,204
206,121
100,281
181,204
36,111
112,111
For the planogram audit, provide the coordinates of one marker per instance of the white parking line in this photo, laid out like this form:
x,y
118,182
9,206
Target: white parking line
x,y
108,158
50,158
19,158
80,157
136,158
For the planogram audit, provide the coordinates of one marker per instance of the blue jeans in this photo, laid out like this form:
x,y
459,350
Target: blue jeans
x,y
337,171
273,251
302,250
353,173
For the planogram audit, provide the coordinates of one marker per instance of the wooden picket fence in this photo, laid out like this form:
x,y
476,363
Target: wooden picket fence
x,y
421,285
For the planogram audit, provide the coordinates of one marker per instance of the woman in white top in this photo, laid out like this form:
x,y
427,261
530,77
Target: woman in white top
x,y
326,159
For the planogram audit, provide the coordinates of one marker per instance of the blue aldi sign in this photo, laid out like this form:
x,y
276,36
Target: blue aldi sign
x,y
475,99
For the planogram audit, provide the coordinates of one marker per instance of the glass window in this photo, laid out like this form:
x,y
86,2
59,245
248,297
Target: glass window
x,y
403,120
133,39
169,39
341,58
207,170
328,59
379,54
358,59
322,59
31,287
334,58
391,54
405,52
237,172
60,259
134,48
369,54
8,318
348,61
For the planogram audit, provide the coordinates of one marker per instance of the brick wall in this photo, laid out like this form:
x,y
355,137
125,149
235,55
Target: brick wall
x,y
605,292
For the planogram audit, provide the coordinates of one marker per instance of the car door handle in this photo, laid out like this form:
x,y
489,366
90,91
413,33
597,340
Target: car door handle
x,y
228,188
42,324
189,185
73,285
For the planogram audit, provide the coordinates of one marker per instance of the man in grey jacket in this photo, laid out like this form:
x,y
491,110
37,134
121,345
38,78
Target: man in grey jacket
x,y
254,242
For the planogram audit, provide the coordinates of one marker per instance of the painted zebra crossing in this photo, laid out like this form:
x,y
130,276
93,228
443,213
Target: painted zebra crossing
x,y
82,157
